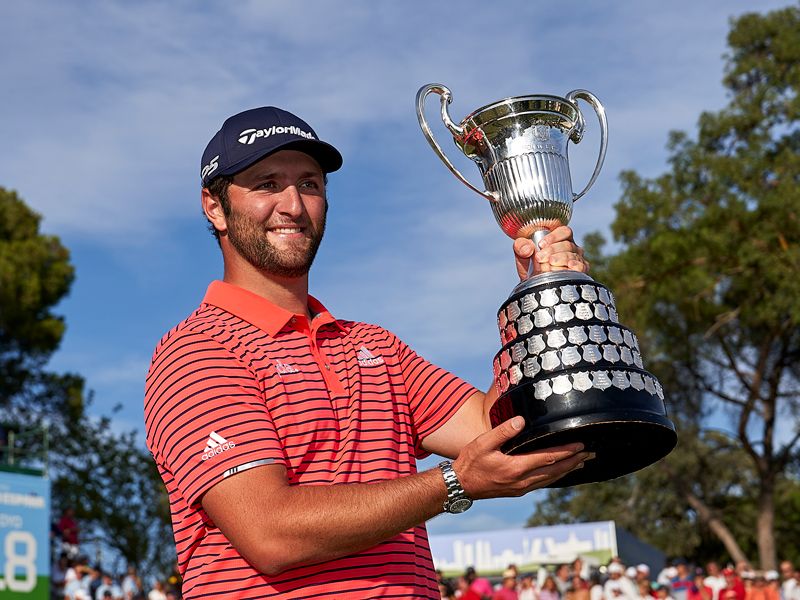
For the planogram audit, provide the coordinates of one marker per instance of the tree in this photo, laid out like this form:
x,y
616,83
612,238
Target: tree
x,y
107,477
35,275
708,277
115,486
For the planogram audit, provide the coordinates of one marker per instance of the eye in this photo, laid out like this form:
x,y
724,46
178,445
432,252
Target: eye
x,y
267,185
309,184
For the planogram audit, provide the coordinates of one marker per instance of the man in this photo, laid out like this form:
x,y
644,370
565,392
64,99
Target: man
x,y
508,589
682,581
287,438
714,579
480,585
734,587
107,589
68,527
563,579
618,586
788,582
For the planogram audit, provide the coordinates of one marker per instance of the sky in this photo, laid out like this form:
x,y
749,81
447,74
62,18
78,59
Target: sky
x,y
107,107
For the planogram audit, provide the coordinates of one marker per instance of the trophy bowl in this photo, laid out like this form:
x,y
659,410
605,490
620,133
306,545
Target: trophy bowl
x,y
566,364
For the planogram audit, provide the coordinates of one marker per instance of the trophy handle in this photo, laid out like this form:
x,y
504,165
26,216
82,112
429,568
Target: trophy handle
x,y
601,116
456,130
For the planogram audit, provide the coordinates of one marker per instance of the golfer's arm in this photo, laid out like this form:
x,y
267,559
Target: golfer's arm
x,y
276,526
469,421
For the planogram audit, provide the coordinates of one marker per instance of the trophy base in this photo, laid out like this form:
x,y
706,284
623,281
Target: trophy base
x,y
627,430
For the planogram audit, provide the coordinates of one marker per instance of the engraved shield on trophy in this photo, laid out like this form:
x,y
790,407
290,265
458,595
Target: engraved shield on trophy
x,y
566,364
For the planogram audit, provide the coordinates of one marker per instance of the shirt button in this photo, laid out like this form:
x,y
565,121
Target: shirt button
x,y
293,320
328,367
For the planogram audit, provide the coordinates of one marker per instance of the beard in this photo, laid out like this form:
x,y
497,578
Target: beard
x,y
251,241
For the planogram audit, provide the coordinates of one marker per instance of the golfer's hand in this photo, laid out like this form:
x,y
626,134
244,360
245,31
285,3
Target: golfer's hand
x,y
484,471
558,252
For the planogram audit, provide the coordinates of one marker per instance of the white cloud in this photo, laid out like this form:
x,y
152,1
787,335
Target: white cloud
x,y
110,115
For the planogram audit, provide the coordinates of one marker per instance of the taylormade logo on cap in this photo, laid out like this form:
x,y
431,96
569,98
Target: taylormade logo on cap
x,y
248,136
251,135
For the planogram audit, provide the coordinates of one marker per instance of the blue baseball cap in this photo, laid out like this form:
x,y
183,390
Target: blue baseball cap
x,y
249,136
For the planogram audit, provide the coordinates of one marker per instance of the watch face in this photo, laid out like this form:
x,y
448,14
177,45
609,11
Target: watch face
x,y
459,505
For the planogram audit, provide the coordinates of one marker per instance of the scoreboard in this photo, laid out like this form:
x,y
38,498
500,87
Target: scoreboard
x,y
24,537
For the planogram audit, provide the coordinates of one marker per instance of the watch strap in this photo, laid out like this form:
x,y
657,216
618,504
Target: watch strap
x,y
457,499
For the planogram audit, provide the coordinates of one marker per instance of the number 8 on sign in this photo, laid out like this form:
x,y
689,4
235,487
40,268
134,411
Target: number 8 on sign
x,y
15,563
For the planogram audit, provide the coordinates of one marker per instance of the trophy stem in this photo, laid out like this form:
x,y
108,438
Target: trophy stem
x,y
538,236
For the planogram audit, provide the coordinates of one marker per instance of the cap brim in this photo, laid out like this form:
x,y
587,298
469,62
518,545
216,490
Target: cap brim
x,y
326,155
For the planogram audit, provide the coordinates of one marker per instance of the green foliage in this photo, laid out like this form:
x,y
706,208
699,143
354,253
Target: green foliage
x,y
708,277
106,476
35,274
115,487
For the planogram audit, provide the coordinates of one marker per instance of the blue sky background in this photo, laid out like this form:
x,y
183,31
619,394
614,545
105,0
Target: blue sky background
x,y
107,107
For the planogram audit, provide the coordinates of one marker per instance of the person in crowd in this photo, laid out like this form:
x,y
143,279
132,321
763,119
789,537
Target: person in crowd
x,y
579,568
108,585
77,569
682,581
68,527
699,590
157,592
714,579
58,573
91,581
663,592
759,588
563,579
596,591
618,586
773,580
788,581
480,585
642,574
508,589
527,588
131,584
667,574
465,591
734,586
447,590
549,589
644,590
579,588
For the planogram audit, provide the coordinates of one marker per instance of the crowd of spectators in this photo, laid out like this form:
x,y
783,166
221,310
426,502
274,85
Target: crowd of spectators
x,y
616,581
72,577
76,579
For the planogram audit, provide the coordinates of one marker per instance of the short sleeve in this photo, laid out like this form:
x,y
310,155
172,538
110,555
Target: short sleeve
x,y
205,414
434,394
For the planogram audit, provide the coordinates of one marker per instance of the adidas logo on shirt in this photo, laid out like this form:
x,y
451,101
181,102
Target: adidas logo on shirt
x,y
367,358
216,444
284,368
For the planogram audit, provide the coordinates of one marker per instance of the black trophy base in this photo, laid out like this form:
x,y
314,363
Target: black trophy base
x,y
626,429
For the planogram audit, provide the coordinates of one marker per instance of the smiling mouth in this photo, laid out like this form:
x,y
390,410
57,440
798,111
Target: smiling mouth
x,y
286,230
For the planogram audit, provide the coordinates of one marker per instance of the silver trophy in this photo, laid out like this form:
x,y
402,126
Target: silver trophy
x,y
567,365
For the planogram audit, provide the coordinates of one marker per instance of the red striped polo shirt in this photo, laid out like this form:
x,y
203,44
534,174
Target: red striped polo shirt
x,y
242,383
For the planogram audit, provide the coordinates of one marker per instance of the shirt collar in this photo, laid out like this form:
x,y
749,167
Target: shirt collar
x,y
259,311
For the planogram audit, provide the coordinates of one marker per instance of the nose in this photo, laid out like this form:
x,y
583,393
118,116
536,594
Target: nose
x,y
291,202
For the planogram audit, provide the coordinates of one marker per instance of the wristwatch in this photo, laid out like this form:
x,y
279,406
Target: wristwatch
x,y
457,500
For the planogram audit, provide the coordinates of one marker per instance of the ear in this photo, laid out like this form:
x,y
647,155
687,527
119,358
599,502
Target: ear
x,y
213,210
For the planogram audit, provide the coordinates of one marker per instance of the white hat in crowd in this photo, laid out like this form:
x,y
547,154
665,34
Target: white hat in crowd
x,y
615,567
